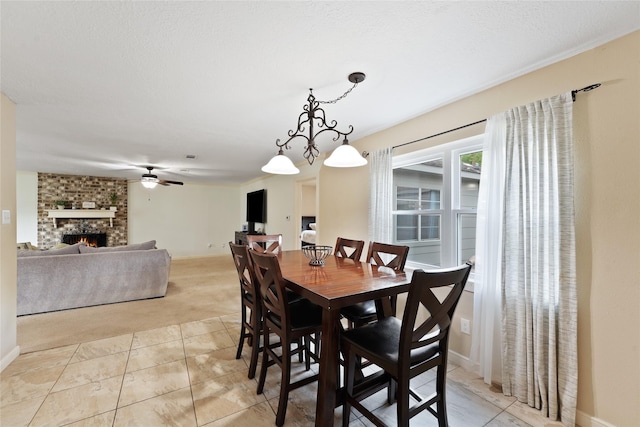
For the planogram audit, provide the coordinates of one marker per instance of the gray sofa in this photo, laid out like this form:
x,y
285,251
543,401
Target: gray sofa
x,y
81,276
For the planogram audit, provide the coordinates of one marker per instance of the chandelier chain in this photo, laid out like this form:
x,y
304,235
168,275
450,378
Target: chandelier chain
x,y
344,95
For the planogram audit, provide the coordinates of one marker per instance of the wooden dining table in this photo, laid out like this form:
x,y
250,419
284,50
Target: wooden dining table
x,y
339,283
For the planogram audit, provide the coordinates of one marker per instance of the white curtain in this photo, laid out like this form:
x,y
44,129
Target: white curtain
x,y
535,268
486,349
381,195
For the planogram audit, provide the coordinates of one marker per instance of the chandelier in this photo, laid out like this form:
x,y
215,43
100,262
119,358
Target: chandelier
x,y
345,156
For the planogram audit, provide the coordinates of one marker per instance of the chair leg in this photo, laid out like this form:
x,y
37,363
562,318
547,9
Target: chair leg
x,y
265,359
300,353
253,364
243,317
284,385
307,352
349,371
441,405
255,340
403,400
392,391
251,321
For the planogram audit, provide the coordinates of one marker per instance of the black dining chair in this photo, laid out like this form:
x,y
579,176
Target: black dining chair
x,y
381,254
251,328
406,348
290,322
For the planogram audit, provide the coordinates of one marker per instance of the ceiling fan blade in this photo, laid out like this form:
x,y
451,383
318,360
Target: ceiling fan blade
x,y
167,182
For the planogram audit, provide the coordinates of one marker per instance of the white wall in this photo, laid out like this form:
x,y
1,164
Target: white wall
x,y
185,220
27,205
308,200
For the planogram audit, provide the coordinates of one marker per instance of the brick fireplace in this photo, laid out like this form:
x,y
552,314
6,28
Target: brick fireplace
x,y
76,190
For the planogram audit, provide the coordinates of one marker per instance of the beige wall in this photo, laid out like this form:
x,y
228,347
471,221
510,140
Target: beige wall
x,y
8,295
607,155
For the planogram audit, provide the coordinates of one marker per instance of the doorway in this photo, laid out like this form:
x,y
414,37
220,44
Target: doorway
x,y
306,204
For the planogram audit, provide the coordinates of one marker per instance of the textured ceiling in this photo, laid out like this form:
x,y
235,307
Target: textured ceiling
x,y
103,88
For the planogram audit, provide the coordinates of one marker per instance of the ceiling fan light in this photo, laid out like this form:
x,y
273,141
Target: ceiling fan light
x,y
280,165
345,156
149,183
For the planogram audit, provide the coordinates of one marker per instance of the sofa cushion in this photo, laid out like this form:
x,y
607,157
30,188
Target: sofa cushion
x,y
151,244
67,250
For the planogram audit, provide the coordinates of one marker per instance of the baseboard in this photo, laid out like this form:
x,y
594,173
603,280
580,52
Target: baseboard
x,y
585,420
460,360
10,357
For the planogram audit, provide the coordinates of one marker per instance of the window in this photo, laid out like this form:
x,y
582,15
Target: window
x,y
436,195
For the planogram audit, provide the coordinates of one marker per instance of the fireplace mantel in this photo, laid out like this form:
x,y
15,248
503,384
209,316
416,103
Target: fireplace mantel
x,y
81,213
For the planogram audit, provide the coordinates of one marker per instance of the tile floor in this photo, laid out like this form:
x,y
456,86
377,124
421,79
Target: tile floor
x,y
187,375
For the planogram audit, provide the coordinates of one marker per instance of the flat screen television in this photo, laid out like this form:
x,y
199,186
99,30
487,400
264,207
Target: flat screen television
x,y
256,209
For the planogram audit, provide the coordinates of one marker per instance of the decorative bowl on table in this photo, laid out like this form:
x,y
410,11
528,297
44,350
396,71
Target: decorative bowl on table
x,y
317,254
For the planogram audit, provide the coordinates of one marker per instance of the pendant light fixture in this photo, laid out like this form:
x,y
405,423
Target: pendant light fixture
x,y
345,156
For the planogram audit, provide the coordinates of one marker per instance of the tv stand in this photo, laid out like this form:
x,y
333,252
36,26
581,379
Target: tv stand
x,y
241,237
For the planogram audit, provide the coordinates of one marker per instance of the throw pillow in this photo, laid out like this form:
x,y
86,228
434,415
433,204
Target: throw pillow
x,y
151,244
27,246
66,250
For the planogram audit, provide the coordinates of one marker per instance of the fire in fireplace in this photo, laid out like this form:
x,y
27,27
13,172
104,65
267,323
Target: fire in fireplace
x,y
89,239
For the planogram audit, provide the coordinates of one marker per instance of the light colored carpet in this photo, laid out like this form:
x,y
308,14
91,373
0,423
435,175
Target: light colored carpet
x,y
199,288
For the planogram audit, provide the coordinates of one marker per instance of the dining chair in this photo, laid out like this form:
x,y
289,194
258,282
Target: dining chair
x,y
408,347
290,321
251,328
380,254
265,243
347,248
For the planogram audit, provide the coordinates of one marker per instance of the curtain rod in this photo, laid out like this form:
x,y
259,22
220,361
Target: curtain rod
x,y
573,96
438,134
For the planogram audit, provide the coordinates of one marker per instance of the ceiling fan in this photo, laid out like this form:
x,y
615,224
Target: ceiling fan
x,y
150,180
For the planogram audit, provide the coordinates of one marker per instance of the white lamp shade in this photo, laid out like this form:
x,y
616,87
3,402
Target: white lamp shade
x,y
149,182
345,156
280,165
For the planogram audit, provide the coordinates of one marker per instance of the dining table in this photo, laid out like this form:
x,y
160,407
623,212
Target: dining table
x,y
338,283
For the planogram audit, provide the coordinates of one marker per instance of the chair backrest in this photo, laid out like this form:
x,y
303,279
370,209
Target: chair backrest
x,y
272,287
396,253
244,267
265,243
344,246
435,329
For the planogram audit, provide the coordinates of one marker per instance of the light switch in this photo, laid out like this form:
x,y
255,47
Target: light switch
x,y
6,216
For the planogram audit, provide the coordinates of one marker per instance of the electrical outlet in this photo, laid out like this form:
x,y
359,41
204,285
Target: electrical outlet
x,y
465,326
223,245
